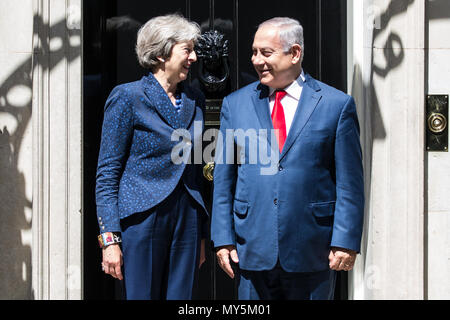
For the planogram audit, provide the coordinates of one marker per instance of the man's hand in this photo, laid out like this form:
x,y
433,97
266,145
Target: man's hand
x,y
342,259
112,261
223,256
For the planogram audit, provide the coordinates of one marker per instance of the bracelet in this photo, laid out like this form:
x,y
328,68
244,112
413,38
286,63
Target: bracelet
x,y
108,238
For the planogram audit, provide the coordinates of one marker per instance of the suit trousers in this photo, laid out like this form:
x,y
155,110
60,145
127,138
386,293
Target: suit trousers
x,y
161,249
277,284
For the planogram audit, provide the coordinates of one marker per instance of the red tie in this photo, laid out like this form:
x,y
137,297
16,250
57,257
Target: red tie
x,y
278,119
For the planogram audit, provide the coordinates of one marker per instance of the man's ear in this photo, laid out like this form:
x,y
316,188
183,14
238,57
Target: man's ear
x,y
296,52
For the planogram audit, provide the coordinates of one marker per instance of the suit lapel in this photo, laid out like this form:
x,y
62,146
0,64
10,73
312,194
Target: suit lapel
x,y
160,100
261,105
308,101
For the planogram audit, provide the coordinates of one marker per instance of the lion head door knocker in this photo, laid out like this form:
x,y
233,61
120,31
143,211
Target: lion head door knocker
x,y
213,73
212,53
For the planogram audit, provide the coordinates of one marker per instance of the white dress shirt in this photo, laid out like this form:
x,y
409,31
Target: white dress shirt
x,y
289,101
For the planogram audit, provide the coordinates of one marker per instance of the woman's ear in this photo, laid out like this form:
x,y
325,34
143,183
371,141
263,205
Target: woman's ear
x,y
296,52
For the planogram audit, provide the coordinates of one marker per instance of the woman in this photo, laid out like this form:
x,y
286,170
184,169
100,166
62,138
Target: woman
x,y
147,202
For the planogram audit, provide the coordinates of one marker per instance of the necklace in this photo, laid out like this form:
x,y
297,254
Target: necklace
x,y
178,102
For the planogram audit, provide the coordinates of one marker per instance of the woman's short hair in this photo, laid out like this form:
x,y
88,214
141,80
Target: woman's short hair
x,y
157,37
290,32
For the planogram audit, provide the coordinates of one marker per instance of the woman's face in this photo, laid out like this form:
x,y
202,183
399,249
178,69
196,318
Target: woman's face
x,y
178,64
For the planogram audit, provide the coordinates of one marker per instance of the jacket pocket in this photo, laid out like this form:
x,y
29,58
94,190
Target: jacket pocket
x,y
314,133
323,212
240,208
323,209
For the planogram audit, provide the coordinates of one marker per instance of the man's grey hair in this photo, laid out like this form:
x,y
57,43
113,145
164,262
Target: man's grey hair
x,y
290,32
157,37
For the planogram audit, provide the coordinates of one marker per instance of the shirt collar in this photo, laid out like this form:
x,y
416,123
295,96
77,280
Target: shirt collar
x,y
294,89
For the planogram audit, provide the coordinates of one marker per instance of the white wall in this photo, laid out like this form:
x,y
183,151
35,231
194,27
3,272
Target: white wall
x,y
16,47
387,81
57,145
40,150
438,163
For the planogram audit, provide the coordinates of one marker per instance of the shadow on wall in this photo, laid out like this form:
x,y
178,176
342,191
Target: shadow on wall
x,y
15,264
15,209
364,91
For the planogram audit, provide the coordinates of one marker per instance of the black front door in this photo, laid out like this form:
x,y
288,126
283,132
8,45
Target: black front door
x,y
110,28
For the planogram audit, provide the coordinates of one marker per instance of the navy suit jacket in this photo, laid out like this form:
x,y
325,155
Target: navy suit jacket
x,y
312,201
135,169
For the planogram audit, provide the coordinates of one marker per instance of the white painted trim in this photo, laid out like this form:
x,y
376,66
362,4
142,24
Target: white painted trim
x,y
57,149
390,96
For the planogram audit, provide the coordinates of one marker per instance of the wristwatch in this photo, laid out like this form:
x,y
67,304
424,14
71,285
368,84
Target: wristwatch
x,y
108,238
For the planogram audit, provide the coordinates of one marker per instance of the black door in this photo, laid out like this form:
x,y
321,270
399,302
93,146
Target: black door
x,y
109,33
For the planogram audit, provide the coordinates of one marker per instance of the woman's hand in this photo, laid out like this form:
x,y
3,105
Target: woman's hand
x,y
202,253
112,261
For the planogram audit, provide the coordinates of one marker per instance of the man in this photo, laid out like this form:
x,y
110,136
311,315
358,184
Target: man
x,y
288,231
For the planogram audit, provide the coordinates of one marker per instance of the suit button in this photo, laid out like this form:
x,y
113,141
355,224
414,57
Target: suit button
x,y
275,201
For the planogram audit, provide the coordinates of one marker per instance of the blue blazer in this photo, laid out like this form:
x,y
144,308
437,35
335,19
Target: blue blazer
x,y
312,201
135,169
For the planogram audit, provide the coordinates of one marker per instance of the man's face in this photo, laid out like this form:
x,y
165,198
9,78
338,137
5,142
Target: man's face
x,y
275,67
